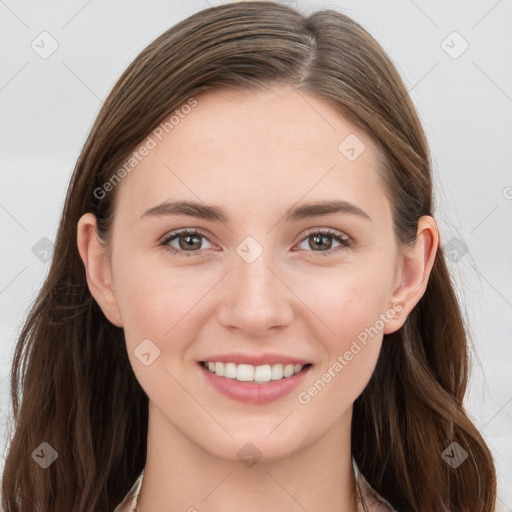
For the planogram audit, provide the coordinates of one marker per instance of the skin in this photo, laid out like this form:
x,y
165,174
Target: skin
x,y
255,155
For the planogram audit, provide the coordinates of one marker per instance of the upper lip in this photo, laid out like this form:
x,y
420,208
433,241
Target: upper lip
x,y
255,360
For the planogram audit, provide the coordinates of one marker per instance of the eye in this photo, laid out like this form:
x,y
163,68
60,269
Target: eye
x,y
321,238
191,239
187,239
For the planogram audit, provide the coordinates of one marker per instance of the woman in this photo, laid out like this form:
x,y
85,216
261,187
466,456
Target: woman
x,y
194,347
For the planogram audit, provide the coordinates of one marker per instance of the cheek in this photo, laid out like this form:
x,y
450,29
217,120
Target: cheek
x,y
162,304
157,308
151,295
349,304
346,300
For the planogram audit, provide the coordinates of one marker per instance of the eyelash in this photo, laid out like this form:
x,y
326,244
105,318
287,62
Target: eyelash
x,y
344,240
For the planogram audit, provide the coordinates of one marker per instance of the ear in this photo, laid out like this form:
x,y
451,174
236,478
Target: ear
x,y
96,260
415,265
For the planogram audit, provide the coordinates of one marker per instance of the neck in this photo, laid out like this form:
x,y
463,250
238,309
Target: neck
x,y
179,475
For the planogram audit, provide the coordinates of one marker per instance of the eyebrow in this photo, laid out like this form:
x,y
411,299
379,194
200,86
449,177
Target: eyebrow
x,y
217,214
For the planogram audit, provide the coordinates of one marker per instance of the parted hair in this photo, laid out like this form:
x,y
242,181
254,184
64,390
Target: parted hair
x,y
72,385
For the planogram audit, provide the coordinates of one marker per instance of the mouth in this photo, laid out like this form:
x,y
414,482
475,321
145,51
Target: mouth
x,y
253,374
254,385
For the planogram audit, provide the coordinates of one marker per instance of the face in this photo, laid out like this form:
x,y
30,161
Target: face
x,y
319,287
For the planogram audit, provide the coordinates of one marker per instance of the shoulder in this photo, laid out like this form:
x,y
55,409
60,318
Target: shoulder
x,y
129,502
371,501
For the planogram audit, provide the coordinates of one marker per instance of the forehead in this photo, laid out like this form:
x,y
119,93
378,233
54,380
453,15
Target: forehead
x,y
246,149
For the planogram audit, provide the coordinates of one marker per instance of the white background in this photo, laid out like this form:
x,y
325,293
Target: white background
x,y
465,103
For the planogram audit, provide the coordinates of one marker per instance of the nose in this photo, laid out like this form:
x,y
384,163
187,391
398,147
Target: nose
x,y
255,298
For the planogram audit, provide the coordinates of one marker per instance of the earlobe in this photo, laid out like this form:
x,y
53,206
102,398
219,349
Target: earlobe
x,y
94,255
414,271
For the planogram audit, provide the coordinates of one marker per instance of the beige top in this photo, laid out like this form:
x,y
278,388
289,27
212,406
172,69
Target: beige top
x,y
369,500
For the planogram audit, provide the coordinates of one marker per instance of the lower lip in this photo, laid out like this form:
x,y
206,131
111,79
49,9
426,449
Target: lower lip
x,y
251,392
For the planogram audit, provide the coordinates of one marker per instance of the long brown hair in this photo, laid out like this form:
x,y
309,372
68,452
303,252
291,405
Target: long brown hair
x,y
71,382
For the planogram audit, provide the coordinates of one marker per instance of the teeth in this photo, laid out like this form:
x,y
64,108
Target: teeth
x,y
277,371
263,373
288,370
250,373
230,370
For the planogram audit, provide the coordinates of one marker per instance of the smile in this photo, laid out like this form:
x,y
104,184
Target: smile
x,y
251,384
250,373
